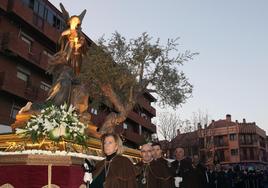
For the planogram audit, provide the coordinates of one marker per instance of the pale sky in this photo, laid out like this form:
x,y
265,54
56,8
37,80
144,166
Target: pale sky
x,y
230,73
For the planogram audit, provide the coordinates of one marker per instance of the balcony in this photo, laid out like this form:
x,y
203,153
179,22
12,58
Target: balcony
x,y
262,144
146,105
3,4
18,8
11,84
248,143
142,121
249,158
11,44
221,144
134,137
224,144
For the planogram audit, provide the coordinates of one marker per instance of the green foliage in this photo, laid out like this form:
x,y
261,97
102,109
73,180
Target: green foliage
x,y
133,66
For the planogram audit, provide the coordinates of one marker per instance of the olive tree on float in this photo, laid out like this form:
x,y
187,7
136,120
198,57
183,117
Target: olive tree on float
x,y
117,72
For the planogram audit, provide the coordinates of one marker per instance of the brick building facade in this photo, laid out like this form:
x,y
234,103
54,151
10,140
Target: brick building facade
x,y
226,142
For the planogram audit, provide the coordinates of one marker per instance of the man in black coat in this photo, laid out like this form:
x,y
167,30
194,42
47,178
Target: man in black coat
x,y
182,168
199,175
211,174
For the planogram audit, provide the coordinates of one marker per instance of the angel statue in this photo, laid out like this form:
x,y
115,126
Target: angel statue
x,y
65,66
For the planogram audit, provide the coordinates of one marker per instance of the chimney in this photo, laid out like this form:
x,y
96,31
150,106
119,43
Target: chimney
x,y
244,120
236,121
178,132
228,117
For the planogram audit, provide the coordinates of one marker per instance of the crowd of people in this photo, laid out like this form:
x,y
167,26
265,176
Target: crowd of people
x,y
154,171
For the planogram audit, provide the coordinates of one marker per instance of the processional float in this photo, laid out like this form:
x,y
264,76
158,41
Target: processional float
x,y
51,139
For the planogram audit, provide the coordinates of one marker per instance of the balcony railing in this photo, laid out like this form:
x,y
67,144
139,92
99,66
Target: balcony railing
x,y
143,122
12,84
248,143
146,105
249,158
134,137
12,44
221,144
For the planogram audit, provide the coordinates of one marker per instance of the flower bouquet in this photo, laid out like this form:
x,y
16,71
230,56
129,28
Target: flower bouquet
x,y
56,124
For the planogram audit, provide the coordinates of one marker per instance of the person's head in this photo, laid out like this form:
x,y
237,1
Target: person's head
x,y
218,167
157,150
195,159
111,143
210,167
146,153
179,153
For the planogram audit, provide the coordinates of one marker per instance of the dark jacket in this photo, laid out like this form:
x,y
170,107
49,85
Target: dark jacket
x,y
199,178
155,174
183,169
120,173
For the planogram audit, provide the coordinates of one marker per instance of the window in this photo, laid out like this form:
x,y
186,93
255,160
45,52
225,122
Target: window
x,y
56,22
94,111
27,39
234,151
232,136
25,2
49,16
31,4
242,139
44,86
140,130
251,154
249,139
41,10
23,73
48,54
22,76
144,115
14,111
124,126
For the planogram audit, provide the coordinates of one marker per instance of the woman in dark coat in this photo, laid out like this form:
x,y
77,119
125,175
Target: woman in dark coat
x,y
115,171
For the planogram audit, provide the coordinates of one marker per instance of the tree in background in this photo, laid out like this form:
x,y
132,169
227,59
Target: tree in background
x,y
117,72
200,118
168,124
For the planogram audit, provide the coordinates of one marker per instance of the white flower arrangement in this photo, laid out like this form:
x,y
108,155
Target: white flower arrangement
x,y
55,123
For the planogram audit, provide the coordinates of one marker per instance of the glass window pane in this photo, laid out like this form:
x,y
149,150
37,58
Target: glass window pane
x,y
41,10
22,76
49,17
14,112
36,3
